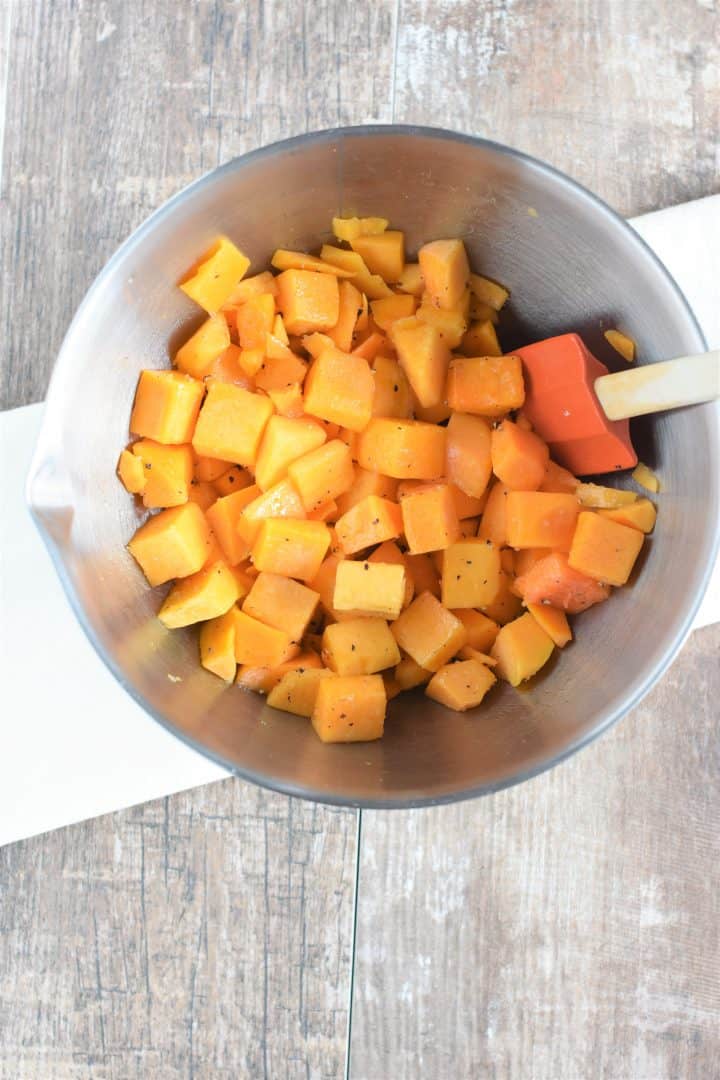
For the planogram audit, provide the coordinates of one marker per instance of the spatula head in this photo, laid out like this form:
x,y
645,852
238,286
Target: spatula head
x,y
561,405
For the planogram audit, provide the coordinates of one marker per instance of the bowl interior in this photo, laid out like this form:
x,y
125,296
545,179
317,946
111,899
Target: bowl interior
x,y
571,265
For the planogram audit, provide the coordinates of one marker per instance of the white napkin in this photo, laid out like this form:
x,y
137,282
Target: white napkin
x,y
72,743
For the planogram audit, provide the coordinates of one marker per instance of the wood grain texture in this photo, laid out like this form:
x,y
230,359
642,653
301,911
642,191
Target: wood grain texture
x,y
565,928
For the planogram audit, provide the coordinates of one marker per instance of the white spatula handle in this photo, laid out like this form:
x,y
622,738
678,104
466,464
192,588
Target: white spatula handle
x,y
653,388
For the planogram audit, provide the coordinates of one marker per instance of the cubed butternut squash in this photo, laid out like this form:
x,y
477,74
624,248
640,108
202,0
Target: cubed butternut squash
x,y
284,440
541,519
445,271
370,588
493,523
350,708
199,352
521,648
519,457
172,544
553,581
210,281
480,339
462,685
640,515
260,645
369,522
488,291
252,286
308,300
322,474
410,281
383,253
429,518
205,595
605,498
233,479
390,309
392,395
166,406
263,679
604,549
408,674
217,646
404,449
481,631
168,472
553,621
231,424
359,646
283,603
366,482
296,692
372,285
428,632
450,325
350,300
424,357
293,548
339,387
279,501
470,573
299,260
223,517
468,453
558,480
485,385
389,552
351,227
131,471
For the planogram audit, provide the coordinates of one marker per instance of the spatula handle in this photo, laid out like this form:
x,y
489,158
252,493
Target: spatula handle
x,y
653,388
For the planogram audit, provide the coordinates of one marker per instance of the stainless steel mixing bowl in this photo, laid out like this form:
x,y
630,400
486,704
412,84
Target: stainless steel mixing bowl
x,y
572,264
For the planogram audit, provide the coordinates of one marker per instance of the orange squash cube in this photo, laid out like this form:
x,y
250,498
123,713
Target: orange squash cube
x,y
233,479
308,300
493,523
207,469
283,441
408,674
480,339
445,270
470,574
389,552
604,549
519,457
293,548
410,281
223,517
283,603
428,632
488,291
340,388
249,287
351,227
299,260
366,483
521,648
322,474
350,708
371,346
526,558
359,646
558,480
639,515
424,357
462,685
202,493
506,604
264,679
278,372
217,646
168,473
485,385
481,631
205,595
424,575
430,521
553,621
231,424
369,522
468,453
392,396
552,581
370,588
450,325
279,501
390,309
404,449
350,299
541,519
372,285
383,254
210,281
199,352
288,401
166,406
260,645
296,692
131,471
172,544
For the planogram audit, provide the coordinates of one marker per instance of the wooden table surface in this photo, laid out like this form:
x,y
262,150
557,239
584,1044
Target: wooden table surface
x,y
568,928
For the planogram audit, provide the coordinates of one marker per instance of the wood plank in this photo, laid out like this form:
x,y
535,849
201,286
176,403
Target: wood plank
x,y
208,934
564,928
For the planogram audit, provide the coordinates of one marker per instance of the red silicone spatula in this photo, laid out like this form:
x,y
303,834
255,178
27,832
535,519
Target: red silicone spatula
x,y
582,411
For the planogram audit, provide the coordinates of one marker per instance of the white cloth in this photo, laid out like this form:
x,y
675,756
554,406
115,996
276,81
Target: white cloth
x,y
72,743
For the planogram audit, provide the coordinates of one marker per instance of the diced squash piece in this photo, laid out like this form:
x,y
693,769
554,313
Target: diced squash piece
x,y
326,511
260,645
283,441
433,414
468,454
410,281
428,632
468,653
350,709
348,229
168,472
462,685
203,493
506,604
392,395
288,401
605,498
211,280
481,631
519,457
553,621
404,449
233,479
317,343
390,309
369,522
646,478
339,387
430,521
621,343
263,679
467,506
604,549
279,501
280,602
322,474
493,523
370,588
299,260
526,558
541,519
205,595
558,480
341,334
293,548
197,355
482,312
471,574
279,332
408,674
217,646
324,584
480,340
450,325
131,471
231,424
280,371
486,386
445,270
521,648
251,360
278,350
371,346
372,285
424,357
489,292
297,690
552,581
389,552
166,406
252,286
367,482
359,646
226,368
172,544
308,300
383,254
640,515
223,517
